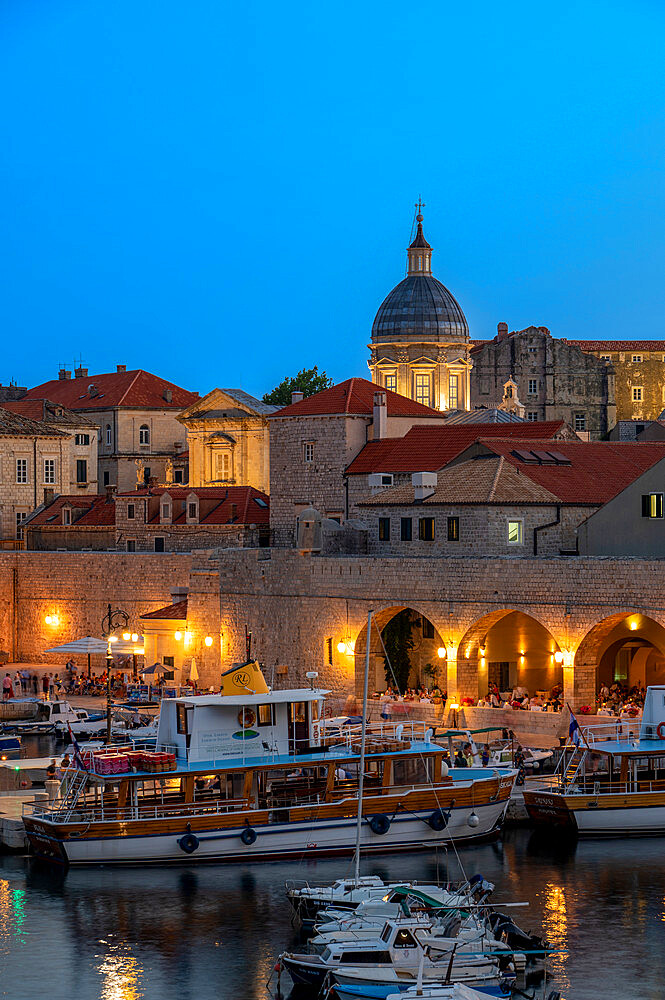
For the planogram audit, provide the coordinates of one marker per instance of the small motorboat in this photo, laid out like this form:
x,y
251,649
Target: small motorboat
x,y
428,991
9,745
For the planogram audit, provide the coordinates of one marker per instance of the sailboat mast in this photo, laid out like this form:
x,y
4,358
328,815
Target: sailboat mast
x,y
361,776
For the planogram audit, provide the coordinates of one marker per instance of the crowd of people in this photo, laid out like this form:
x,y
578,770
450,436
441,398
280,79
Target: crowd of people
x,y
620,699
53,685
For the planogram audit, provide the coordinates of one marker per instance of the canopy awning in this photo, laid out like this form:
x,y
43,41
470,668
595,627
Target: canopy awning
x,y
87,645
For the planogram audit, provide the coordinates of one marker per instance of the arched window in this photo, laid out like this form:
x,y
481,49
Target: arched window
x,y
108,434
144,434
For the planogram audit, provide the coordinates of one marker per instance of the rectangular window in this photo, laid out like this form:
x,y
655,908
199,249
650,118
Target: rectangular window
x,y
637,393
390,382
168,661
81,471
605,357
515,532
131,545
178,476
533,386
426,529
329,651
108,434
147,472
159,544
21,470
384,529
107,479
308,451
453,392
166,511
580,421
652,505
405,529
423,389
265,715
428,629
20,518
181,718
532,415
192,511
81,439
453,529
223,465
386,480
131,511
637,357
49,470
66,515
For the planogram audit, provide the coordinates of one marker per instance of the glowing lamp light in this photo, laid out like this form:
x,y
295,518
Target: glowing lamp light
x,y
208,640
482,650
51,619
632,625
188,637
126,636
452,650
347,646
441,652
454,705
177,636
135,637
113,638
558,656
341,647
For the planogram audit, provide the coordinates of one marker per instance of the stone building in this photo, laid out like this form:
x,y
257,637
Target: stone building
x,y
313,440
420,337
136,416
638,368
227,440
82,434
153,519
554,378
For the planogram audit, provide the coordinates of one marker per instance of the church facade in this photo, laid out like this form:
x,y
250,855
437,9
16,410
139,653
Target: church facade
x,y
420,343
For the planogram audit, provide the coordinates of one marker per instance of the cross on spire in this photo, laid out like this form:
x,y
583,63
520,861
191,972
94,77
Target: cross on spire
x,y
420,204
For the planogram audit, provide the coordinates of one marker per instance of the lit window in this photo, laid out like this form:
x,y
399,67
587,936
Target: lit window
x,y
515,532
222,465
420,262
21,470
532,415
144,434
426,529
390,382
453,391
580,422
384,529
453,529
652,505
605,357
422,389
533,386
49,470
637,393
308,451
265,714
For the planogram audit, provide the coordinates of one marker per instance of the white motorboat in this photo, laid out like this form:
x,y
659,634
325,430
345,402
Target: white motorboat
x,y
424,991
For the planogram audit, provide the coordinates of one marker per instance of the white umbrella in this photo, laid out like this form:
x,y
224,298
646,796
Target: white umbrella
x,y
193,672
88,644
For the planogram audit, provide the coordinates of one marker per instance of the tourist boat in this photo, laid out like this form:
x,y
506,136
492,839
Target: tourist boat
x,y
245,776
56,717
611,781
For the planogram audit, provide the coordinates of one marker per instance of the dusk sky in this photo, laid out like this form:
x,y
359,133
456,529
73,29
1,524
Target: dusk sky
x,y
222,193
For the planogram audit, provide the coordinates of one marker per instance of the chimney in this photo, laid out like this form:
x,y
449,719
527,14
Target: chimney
x,y
110,493
501,331
80,373
380,416
49,495
168,395
424,484
297,396
64,374
121,368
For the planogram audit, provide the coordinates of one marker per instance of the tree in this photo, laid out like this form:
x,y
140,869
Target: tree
x,y
397,640
308,381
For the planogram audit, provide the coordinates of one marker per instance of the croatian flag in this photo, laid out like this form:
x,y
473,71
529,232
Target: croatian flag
x,y
574,730
78,759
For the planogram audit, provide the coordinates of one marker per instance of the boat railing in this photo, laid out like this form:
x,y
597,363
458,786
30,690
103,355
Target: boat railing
x,y
377,732
59,811
614,729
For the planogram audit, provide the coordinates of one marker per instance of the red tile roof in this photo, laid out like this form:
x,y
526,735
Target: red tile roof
x,y
138,389
427,448
98,512
47,412
598,470
355,396
215,503
33,408
618,345
177,610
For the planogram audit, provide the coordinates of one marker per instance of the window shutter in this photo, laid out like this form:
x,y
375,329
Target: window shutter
x,y
646,505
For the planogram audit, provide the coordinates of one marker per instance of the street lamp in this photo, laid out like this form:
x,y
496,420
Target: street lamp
x,y
111,621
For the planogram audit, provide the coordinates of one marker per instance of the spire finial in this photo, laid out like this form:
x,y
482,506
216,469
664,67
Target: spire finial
x,y
420,204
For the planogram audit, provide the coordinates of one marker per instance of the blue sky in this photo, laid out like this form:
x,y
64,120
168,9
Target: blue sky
x,y
222,193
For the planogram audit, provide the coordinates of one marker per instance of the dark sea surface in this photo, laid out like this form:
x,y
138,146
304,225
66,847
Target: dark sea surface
x,y
198,932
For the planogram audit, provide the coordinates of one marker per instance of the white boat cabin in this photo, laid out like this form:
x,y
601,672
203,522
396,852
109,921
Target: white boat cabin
x,y
653,715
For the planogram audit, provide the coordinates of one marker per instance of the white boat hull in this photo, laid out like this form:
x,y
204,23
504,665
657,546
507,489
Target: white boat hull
x,y
621,821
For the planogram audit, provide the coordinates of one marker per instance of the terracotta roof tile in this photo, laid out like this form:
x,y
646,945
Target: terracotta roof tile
x,y
46,410
618,345
138,389
215,503
98,512
177,610
427,448
18,425
356,397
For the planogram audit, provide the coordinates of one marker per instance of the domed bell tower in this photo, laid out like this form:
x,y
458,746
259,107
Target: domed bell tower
x,y
420,338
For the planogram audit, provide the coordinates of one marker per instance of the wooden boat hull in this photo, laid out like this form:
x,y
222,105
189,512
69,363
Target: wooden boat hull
x,y
219,838
621,814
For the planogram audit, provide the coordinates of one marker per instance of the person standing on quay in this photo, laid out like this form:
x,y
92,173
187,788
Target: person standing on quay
x,y
6,687
45,686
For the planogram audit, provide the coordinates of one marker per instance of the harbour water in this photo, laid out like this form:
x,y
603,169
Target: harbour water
x,y
213,932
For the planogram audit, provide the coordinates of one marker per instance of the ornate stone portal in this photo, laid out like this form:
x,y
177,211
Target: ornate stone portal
x,y
420,337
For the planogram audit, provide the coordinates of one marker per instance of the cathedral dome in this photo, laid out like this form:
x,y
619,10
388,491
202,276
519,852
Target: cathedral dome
x,y
420,305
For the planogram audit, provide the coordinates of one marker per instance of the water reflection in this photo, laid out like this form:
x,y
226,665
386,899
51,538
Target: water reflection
x,y
121,977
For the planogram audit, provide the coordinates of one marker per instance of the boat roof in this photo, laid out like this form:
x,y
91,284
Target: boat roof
x,y
278,697
629,747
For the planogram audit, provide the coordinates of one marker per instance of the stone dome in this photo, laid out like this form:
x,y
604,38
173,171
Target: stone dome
x,y
420,306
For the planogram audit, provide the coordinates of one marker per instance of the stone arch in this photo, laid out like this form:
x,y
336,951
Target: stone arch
x,y
604,639
380,619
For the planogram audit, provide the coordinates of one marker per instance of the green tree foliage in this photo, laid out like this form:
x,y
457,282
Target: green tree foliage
x,y
397,640
308,381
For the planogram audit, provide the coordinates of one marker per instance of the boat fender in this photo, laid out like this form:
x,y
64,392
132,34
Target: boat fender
x,y
188,843
248,836
661,731
379,824
439,820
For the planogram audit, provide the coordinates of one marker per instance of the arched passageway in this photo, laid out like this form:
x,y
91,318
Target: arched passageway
x,y
413,645
627,648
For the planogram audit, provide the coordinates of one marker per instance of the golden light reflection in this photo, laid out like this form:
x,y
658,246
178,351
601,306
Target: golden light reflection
x,y
121,978
556,918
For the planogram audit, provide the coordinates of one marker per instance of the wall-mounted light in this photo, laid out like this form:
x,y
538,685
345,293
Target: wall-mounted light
x,y
135,637
177,636
568,657
346,646
52,620
127,636
482,650
188,637
441,652
558,656
208,640
632,625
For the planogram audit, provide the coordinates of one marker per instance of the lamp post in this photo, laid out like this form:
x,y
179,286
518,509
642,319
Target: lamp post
x,y
111,621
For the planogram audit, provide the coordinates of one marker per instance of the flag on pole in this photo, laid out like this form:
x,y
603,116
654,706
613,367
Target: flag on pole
x,y
574,730
78,759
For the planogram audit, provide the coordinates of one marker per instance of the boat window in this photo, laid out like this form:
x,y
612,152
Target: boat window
x,y
315,711
385,933
182,718
365,957
266,715
297,711
404,939
56,710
